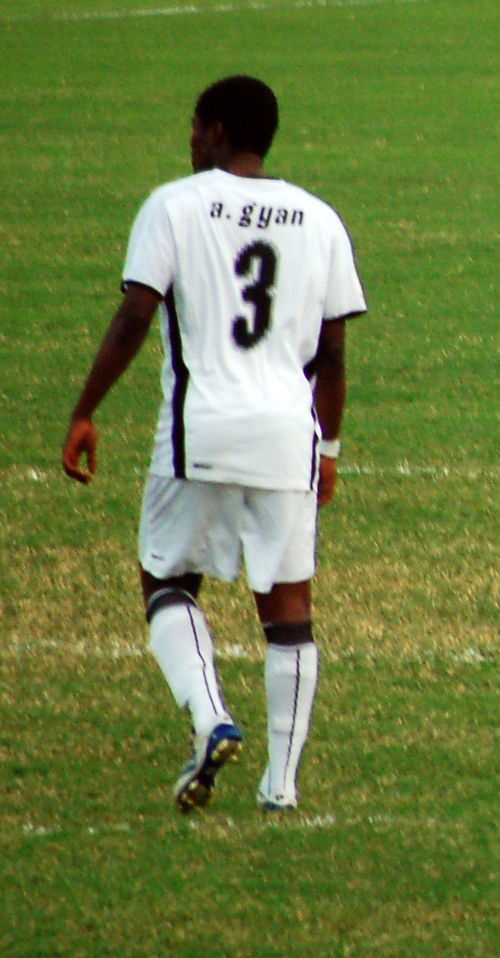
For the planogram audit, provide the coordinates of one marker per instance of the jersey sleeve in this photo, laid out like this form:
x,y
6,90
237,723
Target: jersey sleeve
x,y
345,296
151,250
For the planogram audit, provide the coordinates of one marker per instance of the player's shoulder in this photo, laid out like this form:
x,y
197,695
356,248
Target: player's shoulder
x,y
166,191
167,196
314,202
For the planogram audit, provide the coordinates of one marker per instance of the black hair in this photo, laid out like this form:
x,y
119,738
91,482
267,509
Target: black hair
x,y
247,110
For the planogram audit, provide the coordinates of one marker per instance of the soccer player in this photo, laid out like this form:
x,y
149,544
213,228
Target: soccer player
x,y
254,278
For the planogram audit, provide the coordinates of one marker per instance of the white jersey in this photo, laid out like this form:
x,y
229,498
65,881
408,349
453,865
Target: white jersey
x,y
248,268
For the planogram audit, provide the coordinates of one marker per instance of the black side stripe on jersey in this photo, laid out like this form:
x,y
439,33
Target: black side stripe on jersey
x,y
309,371
181,374
314,464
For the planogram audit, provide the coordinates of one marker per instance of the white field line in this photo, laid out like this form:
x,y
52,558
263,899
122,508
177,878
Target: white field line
x,y
116,651
418,470
405,469
296,821
194,9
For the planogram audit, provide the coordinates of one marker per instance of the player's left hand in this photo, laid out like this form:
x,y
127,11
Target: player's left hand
x,y
327,479
80,441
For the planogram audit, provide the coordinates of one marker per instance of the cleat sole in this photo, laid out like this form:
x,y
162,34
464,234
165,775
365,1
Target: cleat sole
x,y
199,790
227,750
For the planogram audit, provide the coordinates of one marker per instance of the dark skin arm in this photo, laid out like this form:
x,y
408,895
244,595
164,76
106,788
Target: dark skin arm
x,y
329,398
122,341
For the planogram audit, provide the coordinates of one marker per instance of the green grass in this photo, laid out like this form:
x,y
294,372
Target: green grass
x,y
389,112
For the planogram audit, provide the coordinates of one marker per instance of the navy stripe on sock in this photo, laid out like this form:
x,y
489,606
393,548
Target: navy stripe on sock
x,y
204,664
294,713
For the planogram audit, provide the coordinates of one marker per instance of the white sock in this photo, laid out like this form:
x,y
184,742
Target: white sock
x,y
290,680
183,648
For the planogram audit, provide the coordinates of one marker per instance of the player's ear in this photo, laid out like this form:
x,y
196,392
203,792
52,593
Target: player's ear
x,y
218,133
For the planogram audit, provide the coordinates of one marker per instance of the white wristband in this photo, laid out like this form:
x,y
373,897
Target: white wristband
x,y
330,448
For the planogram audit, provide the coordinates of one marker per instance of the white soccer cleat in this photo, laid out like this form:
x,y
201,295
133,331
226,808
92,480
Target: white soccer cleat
x,y
270,801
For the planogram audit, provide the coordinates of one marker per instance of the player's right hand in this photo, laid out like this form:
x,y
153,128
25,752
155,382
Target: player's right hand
x,y
327,480
80,441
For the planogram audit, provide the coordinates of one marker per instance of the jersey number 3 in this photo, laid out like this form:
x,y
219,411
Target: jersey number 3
x,y
258,293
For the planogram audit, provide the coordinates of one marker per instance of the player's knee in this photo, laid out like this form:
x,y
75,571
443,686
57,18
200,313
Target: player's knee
x,y
166,597
289,633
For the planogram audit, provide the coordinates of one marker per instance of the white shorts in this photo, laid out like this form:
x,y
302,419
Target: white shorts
x,y
205,527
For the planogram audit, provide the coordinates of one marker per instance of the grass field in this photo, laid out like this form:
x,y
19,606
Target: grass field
x,y
389,112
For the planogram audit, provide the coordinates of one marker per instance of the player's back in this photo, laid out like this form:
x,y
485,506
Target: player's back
x,y
252,266
253,261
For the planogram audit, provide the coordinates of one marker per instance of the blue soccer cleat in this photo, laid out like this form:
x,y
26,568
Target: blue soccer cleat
x,y
196,785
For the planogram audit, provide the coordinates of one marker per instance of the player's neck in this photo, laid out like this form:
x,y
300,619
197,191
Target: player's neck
x,y
244,164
